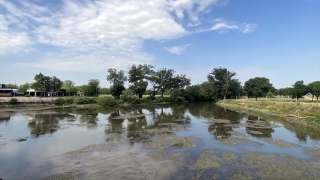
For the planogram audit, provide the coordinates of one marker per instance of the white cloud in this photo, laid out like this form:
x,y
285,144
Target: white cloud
x,y
223,26
14,42
176,49
249,28
102,33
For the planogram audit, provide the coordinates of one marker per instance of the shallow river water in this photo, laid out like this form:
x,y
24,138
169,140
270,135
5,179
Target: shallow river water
x,y
177,141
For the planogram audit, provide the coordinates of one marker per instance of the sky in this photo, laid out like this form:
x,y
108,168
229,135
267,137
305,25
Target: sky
x,y
80,40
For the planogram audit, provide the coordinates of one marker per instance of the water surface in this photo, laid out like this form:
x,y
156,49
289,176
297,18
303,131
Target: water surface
x,y
34,144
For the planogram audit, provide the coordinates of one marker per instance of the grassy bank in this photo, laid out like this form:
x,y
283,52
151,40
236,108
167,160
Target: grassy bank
x,y
304,113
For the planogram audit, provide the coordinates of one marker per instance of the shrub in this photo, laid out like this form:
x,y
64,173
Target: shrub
x,y
179,99
59,101
27,95
106,101
13,101
69,100
93,100
80,100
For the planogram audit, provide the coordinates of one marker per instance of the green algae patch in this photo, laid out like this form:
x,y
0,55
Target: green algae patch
x,y
74,174
278,142
245,175
165,141
229,157
178,159
237,141
206,160
87,149
279,166
159,131
314,152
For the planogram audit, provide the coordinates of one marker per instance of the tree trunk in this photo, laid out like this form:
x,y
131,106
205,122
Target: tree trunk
x,y
140,95
256,98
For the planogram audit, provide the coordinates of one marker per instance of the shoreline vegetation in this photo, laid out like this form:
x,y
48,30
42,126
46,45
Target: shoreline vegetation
x,y
306,113
303,113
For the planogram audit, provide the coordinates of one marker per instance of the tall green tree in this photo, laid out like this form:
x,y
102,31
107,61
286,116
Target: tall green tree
x,y
116,90
55,83
94,86
116,77
222,79
24,87
180,82
138,78
314,88
163,79
299,89
68,84
257,87
12,86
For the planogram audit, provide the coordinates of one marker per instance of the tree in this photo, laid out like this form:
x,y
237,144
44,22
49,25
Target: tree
x,y
116,77
138,77
299,89
270,94
94,86
116,90
180,82
24,87
163,79
222,78
12,86
314,87
55,84
257,87
68,84
42,83
104,91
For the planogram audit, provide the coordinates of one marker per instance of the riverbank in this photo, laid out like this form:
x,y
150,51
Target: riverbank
x,y
307,114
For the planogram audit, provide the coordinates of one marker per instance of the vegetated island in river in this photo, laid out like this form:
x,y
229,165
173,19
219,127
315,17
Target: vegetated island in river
x,y
304,113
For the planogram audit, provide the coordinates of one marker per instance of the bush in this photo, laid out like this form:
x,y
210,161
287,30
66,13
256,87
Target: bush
x,y
81,100
13,101
179,99
59,101
27,95
69,100
106,101
93,100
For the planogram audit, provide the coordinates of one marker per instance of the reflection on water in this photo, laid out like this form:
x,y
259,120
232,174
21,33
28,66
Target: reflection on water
x,y
62,130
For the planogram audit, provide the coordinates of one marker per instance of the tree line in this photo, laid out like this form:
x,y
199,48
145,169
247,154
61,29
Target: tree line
x,y
220,84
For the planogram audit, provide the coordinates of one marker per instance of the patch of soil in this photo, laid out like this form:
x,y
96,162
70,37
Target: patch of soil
x,y
206,160
314,152
278,142
237,141
165,141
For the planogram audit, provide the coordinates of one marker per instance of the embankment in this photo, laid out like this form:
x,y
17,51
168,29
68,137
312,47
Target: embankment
x,y
304,113
28,101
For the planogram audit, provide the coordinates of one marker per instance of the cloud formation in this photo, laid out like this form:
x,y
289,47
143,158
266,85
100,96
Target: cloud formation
x,y
176,49
95,33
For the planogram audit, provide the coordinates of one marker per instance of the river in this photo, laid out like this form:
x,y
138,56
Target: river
x,y
176,141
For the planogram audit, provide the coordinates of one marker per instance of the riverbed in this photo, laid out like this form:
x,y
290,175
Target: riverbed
x,y
176,141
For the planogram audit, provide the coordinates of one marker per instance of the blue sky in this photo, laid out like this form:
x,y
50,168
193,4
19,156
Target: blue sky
x,y
80,40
